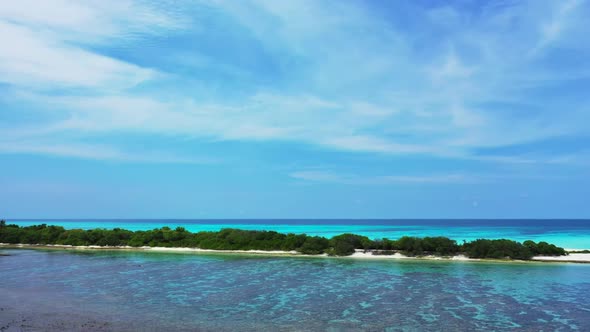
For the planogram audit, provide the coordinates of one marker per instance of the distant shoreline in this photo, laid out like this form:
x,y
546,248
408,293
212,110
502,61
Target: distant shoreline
x,y
566,233
581,258
249,241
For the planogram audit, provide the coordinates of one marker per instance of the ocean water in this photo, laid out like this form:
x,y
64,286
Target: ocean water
x,y
571,234
53,290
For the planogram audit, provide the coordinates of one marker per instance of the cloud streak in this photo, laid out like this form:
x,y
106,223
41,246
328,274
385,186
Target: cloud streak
x,y
333,177
448,87
98,152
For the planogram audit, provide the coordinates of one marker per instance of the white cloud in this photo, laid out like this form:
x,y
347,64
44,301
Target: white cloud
x,y
381,93
452,67
97,152
302,119
322,176
91,21
333,177
329,176
37,60
551,29
44,43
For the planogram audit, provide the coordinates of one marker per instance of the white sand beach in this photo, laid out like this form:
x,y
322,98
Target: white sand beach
x,y
369,255
359,254
180,249
578,258
571,258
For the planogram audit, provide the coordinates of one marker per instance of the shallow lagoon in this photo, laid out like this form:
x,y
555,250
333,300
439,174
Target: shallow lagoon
x,y
117,290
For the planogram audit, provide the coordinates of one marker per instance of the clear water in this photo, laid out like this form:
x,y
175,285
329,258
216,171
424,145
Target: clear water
x,y
571,234
163,291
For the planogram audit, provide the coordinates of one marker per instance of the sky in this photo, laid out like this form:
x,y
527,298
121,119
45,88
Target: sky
x,y
294,109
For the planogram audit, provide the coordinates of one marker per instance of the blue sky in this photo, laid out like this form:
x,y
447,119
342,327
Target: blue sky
x,y
294,109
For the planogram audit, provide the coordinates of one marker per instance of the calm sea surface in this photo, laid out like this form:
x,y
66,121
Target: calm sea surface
x,y
571,234
58,290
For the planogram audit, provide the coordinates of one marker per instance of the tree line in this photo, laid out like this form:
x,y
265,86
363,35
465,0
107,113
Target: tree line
x,y
238,239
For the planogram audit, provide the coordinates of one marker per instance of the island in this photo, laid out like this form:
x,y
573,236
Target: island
x,y
229,239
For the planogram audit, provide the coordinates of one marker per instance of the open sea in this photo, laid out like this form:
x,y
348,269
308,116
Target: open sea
x,y
109,290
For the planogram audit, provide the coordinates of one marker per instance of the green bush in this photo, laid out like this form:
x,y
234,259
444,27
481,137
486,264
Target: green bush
x,y
544,249
498,249
237,239
314,245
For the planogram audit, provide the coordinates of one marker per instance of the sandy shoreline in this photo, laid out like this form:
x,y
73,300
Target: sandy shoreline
x,y
572,258
359,254
155,249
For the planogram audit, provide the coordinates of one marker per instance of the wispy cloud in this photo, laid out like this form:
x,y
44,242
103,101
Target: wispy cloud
x,y
49,43
446,87
98,152
353,179
41,61
432,178
552,28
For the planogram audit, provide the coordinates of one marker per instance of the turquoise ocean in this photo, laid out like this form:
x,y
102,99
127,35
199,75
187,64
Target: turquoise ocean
x,y
113,290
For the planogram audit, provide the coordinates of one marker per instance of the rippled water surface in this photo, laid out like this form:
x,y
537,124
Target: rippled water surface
x,y
154,291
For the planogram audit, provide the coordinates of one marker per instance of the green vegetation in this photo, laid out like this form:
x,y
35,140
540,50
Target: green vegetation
x,y
237,239
439,246
544,248
585,251
345,244
482,248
